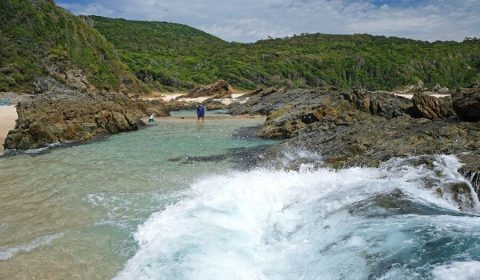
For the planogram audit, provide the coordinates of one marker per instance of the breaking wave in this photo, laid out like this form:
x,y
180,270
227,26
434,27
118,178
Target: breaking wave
x,y
393,222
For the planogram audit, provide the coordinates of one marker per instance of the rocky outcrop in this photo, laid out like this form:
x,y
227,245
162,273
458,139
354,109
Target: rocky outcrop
x,y
219,89
382,104
426,106
359,127
467,104
48,85
62,118
471,169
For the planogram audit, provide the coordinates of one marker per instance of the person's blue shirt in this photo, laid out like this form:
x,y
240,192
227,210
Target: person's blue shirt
x,y
201,111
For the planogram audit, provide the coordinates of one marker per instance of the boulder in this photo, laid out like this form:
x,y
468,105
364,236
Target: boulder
x,y
218,89
61,118
467,105
382,104
426,106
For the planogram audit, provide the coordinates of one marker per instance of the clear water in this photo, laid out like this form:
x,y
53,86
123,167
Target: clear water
x,y
122,208
72,212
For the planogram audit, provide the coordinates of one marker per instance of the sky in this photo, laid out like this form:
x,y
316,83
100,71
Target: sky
x,y
252,20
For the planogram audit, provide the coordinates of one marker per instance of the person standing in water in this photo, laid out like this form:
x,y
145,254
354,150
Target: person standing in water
x,y
201,112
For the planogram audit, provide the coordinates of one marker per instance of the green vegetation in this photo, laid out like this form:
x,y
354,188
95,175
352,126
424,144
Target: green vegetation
x,y
173,56
38,38
164,55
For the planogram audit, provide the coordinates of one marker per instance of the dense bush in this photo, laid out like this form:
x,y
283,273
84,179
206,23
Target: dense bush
x,y
167,55
39,38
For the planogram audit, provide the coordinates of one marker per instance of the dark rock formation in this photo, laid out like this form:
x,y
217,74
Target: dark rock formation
x,y
358,127
62,118
471,169
426,106
48,85
382,104
467,104
218,89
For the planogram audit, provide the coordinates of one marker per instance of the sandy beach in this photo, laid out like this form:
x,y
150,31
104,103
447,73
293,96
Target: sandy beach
x,y
172,96
8,116
410,96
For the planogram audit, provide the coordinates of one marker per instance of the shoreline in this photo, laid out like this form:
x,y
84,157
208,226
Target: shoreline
x,y
8,118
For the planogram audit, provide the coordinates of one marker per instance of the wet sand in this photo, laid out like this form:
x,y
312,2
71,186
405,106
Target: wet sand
x,y
208,117
8,116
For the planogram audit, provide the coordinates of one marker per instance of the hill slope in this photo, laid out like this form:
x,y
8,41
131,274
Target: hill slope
x,y
163,55
37,38
166,55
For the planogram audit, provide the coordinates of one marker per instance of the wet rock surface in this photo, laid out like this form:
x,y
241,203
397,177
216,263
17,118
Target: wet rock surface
x,y
471,169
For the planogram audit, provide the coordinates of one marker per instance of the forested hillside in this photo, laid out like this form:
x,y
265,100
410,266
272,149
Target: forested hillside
x,y
37,38
174,56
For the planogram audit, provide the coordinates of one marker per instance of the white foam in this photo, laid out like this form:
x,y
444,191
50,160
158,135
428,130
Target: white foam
x,y
468,270
266,224
7,253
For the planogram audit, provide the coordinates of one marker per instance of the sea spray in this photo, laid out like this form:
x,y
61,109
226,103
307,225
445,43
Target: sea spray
x,y
357,223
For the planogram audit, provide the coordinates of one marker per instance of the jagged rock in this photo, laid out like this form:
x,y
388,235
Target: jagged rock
x,y
467,104
382,104
48,85
430,107
471,169
218,89
358,127
62,118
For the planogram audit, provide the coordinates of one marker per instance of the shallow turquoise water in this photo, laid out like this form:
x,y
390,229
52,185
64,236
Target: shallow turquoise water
x,y
165,203
79,206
